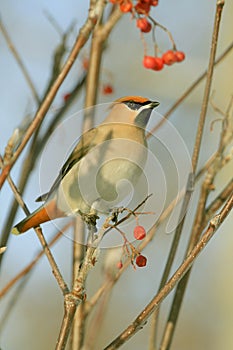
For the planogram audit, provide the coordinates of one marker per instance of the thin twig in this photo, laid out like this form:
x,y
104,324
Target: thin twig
x,y
11,302
210,70
97,321
190,183
77,296
79,248
141,319
30,266
99,36
19,61
41,237
217,203
36,146
82,38
165,30
173,316
200,221
188,91
32,155
210,212
172,253
57,274
92,82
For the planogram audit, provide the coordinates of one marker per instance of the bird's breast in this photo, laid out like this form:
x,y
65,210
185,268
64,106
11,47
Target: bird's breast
x,y
106,175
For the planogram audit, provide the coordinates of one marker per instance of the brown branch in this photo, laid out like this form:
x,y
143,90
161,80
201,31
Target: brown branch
x,y
195,156
41,237
175,308
207,185
100,34
30,266
19,61
77,332
92,82
96,322
217,202
219,8
30,160
57,274
211,210
188,91
141,319
82,38
36,145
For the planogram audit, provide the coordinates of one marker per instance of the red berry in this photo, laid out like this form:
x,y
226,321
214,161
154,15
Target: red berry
x,y
139,232
169,57
158,63
155,63
144,25
144,2
149,62
154,2
107,89
142,7
141,260
126,6
180,56
119,265
66,97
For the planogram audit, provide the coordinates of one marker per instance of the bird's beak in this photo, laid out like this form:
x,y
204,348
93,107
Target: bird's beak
x,y
153,104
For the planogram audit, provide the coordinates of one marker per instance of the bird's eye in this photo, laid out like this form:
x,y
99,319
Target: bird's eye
x,y
133,105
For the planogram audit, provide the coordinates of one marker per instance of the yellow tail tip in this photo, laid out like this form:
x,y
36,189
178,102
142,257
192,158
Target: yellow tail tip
x,y
15,231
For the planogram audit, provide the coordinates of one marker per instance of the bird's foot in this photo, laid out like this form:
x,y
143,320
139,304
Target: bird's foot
x,y
115,213
90,219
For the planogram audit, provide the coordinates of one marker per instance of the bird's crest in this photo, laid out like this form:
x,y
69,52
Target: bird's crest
x,y
137,99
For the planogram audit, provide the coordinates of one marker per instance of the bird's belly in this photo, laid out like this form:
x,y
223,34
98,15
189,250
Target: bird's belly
x,y
103,178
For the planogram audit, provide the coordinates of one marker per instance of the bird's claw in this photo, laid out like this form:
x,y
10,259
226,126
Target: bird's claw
x,y
90,220
115,213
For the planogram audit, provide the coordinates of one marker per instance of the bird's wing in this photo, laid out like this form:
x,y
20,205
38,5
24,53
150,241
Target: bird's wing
x,y
86,142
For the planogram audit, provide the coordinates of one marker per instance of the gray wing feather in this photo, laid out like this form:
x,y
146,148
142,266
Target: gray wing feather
x,y
84,145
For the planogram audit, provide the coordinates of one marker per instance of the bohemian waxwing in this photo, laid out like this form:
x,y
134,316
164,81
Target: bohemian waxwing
x,y
90,181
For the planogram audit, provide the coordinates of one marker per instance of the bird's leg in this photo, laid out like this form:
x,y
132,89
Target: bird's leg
x,y
115,213
90,219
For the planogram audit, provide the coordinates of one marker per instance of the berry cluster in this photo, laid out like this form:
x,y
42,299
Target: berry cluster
x,y
169,57
140,233
141,6
140,260
140,11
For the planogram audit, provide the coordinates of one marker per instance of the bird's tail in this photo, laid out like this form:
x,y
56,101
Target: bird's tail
x,y
46,212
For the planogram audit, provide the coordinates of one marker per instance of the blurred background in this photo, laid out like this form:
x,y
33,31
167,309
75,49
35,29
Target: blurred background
x,y
206,316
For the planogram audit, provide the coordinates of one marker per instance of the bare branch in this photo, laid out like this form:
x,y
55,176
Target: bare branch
x,y
82,38
195,156
188,91
174,312
141,319
19,61
30,266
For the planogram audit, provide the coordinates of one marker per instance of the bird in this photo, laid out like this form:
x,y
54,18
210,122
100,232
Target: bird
x,y
97,174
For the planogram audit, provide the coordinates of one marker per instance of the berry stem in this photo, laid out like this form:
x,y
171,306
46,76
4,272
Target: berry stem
x,y
143,43
156,46
164,29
